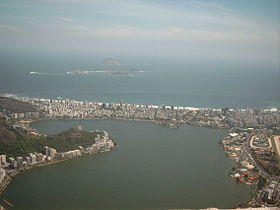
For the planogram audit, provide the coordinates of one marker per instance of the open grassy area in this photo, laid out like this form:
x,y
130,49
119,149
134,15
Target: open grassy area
x,y
275,149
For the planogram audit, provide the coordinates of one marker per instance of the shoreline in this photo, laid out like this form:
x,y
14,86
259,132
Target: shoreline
x,y
11,174
23,97
199,117
164,123
236,164
30,122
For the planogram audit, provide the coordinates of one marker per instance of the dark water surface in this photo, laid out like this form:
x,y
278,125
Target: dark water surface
x,y
154,168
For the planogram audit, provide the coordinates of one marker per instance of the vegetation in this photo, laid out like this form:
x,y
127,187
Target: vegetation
x,y
23,143
261,182
273,170
6,134
70,140
15,106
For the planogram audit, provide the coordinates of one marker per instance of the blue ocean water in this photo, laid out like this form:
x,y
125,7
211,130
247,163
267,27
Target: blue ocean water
x,y
164,81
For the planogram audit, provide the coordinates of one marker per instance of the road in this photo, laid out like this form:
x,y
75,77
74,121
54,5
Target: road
x,y
262,172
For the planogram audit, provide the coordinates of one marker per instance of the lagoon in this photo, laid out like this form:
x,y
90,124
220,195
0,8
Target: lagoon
x,y
155,167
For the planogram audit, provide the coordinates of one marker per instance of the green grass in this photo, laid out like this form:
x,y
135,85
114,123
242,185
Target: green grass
x,y
274,148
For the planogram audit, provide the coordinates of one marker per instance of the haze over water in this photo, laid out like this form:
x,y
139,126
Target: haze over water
x,y
154,168
197,53
169,81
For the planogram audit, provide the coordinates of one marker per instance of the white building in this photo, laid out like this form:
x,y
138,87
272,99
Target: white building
x,y
3,160
2,174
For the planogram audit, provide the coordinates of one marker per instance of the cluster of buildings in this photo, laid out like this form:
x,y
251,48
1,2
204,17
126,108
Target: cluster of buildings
x,y
270,194
2,165
235,146
103,143
252,150
245,176
36,158
225,118
17,115
23,125
20,115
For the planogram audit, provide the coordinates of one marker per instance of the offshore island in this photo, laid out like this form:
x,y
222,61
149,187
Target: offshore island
x,y
253,142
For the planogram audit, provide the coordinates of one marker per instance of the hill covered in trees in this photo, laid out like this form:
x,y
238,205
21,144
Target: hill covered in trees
x,y
14,142
15,106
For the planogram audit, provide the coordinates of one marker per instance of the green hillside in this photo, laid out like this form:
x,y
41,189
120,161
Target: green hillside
x,y
15,106
14,142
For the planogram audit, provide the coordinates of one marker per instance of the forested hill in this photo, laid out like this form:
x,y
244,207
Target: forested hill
x,y
15,106
14,142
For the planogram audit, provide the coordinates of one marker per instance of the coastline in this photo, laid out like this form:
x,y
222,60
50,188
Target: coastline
x,y
236,163
215,143
201,117
100,139
10,176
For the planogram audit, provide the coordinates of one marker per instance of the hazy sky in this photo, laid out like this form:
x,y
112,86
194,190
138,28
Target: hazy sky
x,y
222,29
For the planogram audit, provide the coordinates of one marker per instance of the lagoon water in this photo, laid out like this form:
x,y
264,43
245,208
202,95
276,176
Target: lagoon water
x,y
154,168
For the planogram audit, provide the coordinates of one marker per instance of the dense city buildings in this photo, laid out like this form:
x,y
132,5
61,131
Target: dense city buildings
x,y
171,116
255,156
102,143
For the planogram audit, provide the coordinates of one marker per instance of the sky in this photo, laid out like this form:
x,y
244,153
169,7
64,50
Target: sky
x,y
218,29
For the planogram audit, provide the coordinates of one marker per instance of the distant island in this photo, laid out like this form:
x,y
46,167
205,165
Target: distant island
x,y
106,62
113,72
121,74
128,72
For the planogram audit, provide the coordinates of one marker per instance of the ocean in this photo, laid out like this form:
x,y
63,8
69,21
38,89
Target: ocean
x,y
165,81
